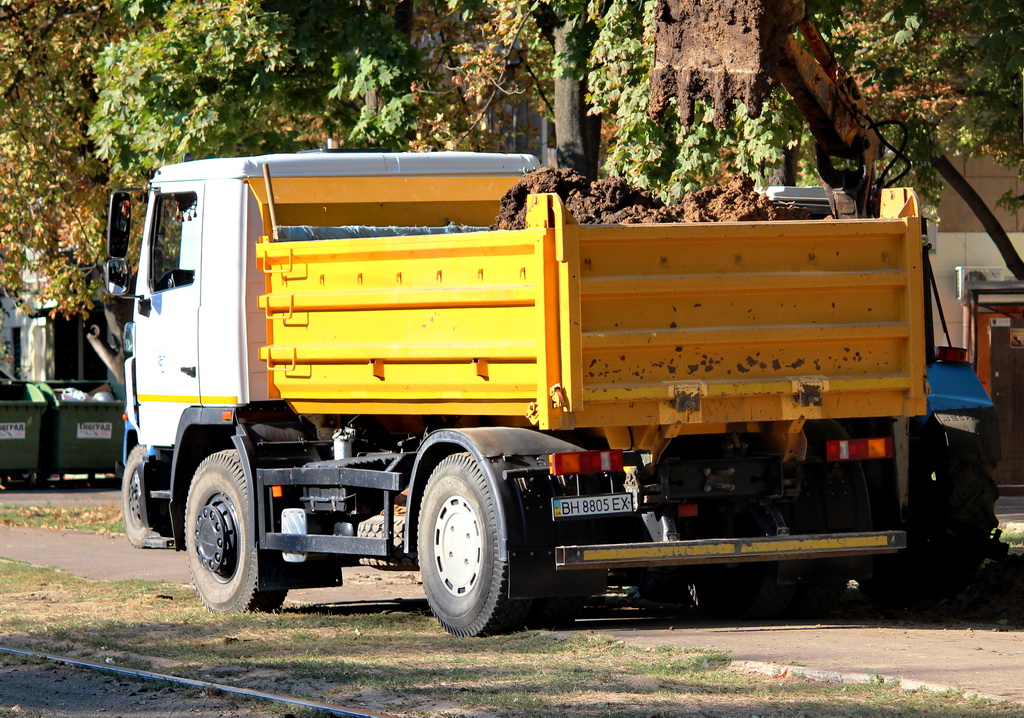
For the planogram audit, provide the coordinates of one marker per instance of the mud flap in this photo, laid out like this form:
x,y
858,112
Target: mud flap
x,y
532,561
277,574
533,575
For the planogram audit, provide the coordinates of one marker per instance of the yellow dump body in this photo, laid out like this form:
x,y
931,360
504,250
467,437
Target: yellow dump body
x,y
658,329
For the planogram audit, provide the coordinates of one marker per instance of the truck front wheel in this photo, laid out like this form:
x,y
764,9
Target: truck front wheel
x,y
135,528
465,582
221,558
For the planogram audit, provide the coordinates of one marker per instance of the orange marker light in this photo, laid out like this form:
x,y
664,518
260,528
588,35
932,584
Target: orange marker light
x,y
276,491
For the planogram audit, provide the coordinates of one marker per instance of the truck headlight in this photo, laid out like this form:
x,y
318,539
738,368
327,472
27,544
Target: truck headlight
x,y
128,339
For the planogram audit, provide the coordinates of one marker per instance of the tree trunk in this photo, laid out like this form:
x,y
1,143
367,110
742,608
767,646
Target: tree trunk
x,y
114,360
405,15
982,212
577,133
118,312
785,174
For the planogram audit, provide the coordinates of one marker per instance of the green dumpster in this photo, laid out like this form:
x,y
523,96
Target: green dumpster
x,y
21,417
83,428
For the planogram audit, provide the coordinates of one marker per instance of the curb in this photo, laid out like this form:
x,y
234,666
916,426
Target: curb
x,y
777,670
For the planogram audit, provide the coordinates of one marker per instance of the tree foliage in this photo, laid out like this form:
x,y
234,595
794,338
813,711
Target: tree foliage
x,y
951,72
98,94
253,76
52,184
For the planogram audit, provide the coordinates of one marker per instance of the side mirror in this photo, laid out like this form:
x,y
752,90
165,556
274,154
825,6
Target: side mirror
x,y
119,277
119,224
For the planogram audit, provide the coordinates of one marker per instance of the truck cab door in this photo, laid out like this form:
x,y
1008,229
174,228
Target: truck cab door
x,y
167,312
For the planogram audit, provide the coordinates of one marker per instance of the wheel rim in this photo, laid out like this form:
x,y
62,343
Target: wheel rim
x,y
216,536
458,546
135,498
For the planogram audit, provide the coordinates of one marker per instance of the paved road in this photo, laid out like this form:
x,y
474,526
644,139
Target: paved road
x,y
986,659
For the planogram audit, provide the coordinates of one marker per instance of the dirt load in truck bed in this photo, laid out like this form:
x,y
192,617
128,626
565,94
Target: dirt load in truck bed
x,y
614,201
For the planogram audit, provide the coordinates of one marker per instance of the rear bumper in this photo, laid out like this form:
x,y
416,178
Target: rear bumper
x,y
709,551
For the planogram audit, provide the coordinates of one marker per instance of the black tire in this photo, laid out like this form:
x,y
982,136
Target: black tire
x,y
745,591
135,528
221,555
816,600
971,502
465,582
373,527
557,612
949,536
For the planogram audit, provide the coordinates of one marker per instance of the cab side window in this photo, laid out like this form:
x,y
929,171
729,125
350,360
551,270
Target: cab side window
x,y
175,241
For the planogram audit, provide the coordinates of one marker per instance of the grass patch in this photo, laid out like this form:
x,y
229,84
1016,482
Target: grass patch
x,y
101,519
402,662
1013,534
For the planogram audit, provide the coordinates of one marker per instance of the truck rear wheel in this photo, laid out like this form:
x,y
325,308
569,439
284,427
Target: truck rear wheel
x,y
220,557
465,582
373,527
135,528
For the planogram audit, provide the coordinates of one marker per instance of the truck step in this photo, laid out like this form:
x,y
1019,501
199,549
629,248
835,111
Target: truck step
x,y
331,474
315,543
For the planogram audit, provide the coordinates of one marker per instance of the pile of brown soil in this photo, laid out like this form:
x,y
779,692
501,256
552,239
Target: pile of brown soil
x,y
615,201
997,594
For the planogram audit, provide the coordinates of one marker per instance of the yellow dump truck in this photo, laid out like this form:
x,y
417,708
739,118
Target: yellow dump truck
x,y
335,361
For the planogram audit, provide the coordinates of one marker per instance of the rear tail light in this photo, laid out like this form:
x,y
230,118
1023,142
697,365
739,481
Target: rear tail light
x,y
585,462
950,354
858,449
686,511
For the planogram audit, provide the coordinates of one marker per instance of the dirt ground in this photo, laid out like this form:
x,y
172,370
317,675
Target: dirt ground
x,y
996,595
74,692
971,642
614,201
940,648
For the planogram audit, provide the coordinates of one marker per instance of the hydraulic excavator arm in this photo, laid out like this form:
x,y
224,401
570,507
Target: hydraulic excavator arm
x,y
731,51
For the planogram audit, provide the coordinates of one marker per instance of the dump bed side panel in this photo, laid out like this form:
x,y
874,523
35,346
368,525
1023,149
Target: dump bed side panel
x,y
447,324
741,322
674,328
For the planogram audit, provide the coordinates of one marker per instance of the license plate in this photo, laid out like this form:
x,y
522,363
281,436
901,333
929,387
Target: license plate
x,y
576,507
